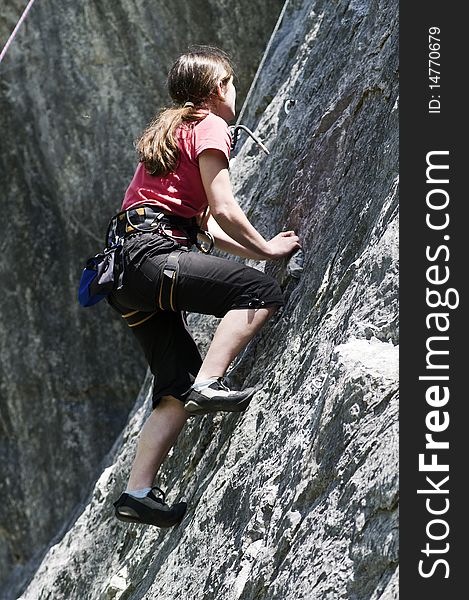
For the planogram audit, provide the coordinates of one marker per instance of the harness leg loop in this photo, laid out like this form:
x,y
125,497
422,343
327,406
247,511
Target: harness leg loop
x,y
167,293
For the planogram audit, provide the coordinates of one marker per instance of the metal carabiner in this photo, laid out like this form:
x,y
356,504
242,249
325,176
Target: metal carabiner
x,y
203,245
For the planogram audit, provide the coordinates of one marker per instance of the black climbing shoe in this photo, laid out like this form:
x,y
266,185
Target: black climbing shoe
x,y
150,510
217,397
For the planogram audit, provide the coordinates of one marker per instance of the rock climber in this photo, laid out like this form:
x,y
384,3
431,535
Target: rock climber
x,y
181,197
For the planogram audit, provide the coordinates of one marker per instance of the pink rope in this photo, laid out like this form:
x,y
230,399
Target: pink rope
x,y
13,34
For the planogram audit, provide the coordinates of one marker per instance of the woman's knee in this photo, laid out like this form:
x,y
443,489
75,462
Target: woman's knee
x,y
170,403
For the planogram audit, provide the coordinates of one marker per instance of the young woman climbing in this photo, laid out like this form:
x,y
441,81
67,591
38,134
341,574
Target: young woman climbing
x,y
181,188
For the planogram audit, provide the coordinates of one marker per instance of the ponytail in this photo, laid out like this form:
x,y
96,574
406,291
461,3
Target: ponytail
x,y
158,147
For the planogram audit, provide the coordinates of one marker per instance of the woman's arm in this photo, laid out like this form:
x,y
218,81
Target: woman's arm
x,y
226,243
231,219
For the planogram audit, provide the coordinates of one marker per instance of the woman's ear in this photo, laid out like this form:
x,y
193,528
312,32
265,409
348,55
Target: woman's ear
x,y
221,91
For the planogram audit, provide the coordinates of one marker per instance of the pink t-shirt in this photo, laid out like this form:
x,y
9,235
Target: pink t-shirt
x,y
181,192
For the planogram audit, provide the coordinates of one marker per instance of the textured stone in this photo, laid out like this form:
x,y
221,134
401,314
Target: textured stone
x,y
297,498
79,83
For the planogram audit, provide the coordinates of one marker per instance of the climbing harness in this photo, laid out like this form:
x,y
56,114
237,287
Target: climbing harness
x,y
15,30
145,219
104,272
185,232
134,318
166,297
167,293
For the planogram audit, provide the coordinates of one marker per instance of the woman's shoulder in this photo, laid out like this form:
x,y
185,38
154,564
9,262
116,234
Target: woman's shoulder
x,y
212,121
212,133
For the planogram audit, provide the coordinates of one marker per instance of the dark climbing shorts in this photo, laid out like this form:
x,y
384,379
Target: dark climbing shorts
x,y
206,284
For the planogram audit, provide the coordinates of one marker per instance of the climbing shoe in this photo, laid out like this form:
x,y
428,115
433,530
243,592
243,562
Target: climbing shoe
x,y
150,510
217,397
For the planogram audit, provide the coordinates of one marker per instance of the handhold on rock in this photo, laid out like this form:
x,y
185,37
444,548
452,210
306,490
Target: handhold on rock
x,y
296,263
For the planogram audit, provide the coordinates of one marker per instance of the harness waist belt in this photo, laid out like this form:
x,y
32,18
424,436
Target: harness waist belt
x,y
146,218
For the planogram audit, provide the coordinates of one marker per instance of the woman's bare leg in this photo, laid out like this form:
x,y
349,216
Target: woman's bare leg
x,y
235,330
165,423
157,437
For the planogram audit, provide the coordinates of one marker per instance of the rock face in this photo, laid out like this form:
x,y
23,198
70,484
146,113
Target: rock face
x,y
297,497
79,83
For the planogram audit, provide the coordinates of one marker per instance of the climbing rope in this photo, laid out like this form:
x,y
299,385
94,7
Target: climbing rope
x,y
15,30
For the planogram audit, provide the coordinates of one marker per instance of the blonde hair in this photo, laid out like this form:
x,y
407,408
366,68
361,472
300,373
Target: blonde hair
x,y
192,80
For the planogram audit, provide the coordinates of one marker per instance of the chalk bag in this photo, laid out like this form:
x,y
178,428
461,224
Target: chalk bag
x,y
102,274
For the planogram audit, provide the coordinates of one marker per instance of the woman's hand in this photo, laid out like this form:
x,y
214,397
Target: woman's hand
x,y
283,244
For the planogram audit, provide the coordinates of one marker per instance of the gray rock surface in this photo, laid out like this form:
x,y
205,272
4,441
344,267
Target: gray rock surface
x,y
297,498
79,83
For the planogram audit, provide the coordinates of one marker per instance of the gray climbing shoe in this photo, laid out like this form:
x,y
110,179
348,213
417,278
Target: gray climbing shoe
x,y
217,397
